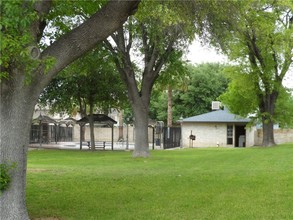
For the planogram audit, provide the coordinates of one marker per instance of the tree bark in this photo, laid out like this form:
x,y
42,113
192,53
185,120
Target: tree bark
x,y
141,146
268,110
170,117
17,100
139,95
268,134
16,110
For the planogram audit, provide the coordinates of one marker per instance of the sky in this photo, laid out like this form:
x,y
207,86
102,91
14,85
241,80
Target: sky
x,y
203,54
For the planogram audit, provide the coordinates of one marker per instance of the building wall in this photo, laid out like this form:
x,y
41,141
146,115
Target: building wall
x,y
281,136
207,134
211,135
250,136
104,133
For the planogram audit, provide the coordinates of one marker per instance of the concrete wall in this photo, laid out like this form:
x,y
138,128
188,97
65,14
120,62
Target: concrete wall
x,y
207,134
211,135
104,134
281,136
250,136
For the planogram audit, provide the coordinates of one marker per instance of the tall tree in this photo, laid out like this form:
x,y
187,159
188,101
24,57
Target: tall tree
x,y
152,36
257,36
174,77
204,83
241,99
26,70
86,83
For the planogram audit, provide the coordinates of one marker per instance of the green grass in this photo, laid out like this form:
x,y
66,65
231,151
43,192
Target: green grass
x,y
217,183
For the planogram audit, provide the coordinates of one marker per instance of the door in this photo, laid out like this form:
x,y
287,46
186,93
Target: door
x,y
240,135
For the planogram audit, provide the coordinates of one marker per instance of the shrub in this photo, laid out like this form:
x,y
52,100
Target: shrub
x,y
5,176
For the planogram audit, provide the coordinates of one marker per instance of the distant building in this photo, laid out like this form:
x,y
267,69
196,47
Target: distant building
x,y
217,128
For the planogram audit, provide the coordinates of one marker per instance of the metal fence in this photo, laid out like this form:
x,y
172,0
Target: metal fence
x,y
171,137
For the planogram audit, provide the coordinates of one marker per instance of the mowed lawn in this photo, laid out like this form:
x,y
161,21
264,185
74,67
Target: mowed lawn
x,y
210,183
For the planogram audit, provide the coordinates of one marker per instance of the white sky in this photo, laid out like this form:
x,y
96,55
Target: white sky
x,y
203,54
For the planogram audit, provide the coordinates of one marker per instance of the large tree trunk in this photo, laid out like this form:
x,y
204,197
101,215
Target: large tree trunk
x,y
141,146
17,99
139,95
16,110
268,134
268,111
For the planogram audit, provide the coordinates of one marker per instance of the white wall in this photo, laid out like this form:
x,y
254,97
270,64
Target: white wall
x,y
250,136
280,135
207,134
212,135
104,134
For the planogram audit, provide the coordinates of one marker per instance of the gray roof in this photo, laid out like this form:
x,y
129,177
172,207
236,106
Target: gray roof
x,y
217,116
99,119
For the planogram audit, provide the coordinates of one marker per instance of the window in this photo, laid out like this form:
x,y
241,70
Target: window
x,y
229,134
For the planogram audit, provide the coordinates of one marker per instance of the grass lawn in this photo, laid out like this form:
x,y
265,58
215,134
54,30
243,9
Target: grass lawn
x,y
214,183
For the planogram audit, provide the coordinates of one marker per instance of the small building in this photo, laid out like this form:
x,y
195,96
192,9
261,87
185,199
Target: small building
x,y
217,128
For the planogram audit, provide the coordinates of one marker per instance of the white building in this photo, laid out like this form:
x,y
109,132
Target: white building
x,y
217,128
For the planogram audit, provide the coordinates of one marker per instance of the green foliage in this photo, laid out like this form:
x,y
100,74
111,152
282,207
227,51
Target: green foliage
x,y
242,99
67,14
207,83
284,109
91,79
174,73
5,175
257,36
15,19
240,96
16,42
164,14
203,84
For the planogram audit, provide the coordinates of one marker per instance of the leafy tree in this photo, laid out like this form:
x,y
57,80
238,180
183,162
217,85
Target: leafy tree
x,y
284,109
173,77
205,83
153,35
27,66
86,83
257,36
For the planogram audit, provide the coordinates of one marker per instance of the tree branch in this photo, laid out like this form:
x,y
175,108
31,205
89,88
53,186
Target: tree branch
x,y
37,28
85,37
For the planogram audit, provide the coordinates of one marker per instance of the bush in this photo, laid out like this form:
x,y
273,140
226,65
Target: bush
x,y
5,177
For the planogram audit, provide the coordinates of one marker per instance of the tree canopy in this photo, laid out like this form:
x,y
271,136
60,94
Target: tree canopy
x,y
89,79
203,84
257,36
152,35
27,65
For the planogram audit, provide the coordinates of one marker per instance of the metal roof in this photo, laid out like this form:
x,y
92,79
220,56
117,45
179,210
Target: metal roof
x,y
98,119
217,116
44,119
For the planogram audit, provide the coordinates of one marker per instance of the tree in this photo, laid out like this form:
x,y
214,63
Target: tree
x,y
86,86
257,36
284,109
241,99
204,84
174,77
207,83
151,36
26,70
